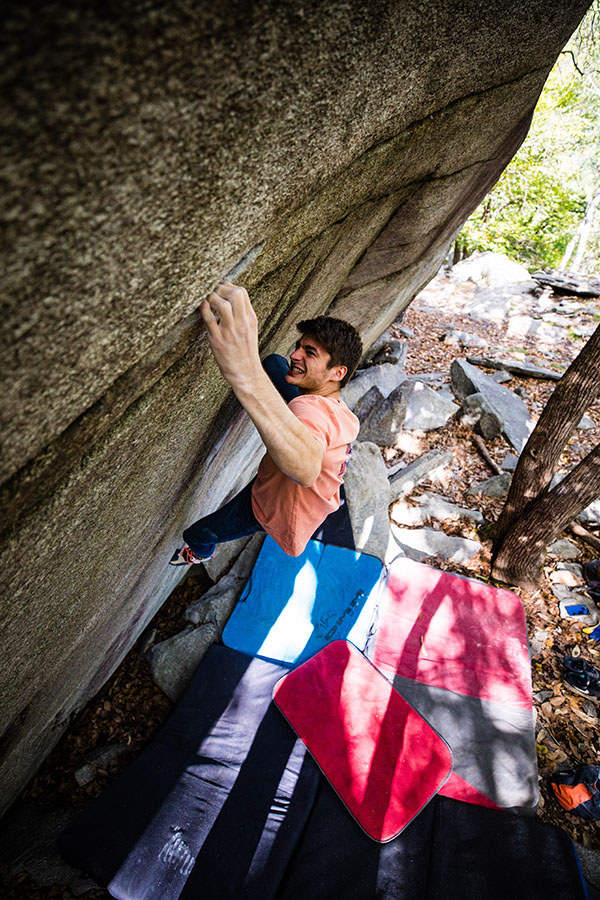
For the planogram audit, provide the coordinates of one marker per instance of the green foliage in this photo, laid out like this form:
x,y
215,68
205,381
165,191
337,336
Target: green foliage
x,y
539,201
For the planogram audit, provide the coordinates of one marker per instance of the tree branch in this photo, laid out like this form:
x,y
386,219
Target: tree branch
x,y
486,456
572,55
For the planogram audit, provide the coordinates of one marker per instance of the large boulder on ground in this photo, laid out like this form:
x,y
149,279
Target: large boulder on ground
x,y
385,378
515,422
430,465
426,409
368,498
490,269
324,155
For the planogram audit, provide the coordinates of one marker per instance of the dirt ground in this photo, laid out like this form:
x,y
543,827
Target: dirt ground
x,y
130,708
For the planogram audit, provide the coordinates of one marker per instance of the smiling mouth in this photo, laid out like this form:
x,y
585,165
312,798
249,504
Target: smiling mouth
x,y
296,370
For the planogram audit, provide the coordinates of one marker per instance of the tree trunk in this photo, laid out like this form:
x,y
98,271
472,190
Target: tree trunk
x,y
564,263
574,393
586,228
519,560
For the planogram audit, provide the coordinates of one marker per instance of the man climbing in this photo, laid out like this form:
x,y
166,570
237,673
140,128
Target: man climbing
x,y
306,427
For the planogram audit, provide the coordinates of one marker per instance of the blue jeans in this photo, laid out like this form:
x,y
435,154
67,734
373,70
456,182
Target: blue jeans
x,y
236,519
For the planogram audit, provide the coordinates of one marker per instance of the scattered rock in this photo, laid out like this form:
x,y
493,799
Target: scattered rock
x,y
428,377
390,351
563,549
386,377
510,462
496,486
368,498
589,710
479,415
495,304
379,344
403,514
586,423
433,507
490,269
420,543
590,517
501,377
224,557
85,775
568,284
174,661
523,370
405,332
463,338
517,424
542,696
217,604
575,568
381,418
426,410
588,615
426,466
566,577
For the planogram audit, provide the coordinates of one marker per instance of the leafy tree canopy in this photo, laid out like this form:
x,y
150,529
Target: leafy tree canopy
x,y
540,201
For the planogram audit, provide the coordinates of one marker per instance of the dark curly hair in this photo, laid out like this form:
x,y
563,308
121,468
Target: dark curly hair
x,y
340,339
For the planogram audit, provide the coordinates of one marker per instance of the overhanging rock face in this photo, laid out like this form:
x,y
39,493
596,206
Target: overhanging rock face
x,y
335,148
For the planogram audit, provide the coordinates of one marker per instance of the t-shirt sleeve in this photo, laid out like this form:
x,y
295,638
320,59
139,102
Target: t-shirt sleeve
x,y
314,417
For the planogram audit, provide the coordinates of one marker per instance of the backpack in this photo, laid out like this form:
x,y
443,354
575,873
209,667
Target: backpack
x,y
578,791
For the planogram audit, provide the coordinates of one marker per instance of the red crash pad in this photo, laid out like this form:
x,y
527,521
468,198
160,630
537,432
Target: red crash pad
x,y
381,757
455,633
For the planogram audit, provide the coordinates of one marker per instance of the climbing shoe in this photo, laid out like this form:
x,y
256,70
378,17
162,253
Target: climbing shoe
x,y
185,556
583,684
576,665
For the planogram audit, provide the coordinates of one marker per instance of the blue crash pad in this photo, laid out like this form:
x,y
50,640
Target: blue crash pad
x,y
294,606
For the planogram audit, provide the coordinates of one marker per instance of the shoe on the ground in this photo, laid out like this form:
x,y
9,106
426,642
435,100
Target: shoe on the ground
x,y
185,556
575,665
582,684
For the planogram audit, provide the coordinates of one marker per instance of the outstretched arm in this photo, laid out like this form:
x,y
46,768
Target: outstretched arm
x,y
233,337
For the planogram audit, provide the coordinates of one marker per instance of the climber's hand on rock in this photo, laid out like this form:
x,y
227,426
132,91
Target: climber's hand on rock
x,y
233,332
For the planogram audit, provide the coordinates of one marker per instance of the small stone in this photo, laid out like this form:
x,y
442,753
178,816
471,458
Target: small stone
x,y
501,377
420,543
510,462
575,568
405,480
101,756
496,486
563,549
542,696
174,661
538,642
586,423
589,710
562,576
85,775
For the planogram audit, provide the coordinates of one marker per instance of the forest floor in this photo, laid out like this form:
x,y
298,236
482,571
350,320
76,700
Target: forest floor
x,y
131,708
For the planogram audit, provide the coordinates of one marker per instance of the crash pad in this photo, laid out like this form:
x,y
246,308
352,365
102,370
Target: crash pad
x,y
213,806
293,606
453,632
457,651
450,851
382,758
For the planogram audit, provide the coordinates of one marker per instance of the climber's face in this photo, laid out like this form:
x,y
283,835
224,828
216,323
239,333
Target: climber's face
x,y
309,368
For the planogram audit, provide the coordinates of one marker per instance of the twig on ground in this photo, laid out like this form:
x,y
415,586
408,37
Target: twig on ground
x,y
485,454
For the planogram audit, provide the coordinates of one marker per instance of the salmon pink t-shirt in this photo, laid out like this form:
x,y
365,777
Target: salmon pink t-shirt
x,y
287,511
